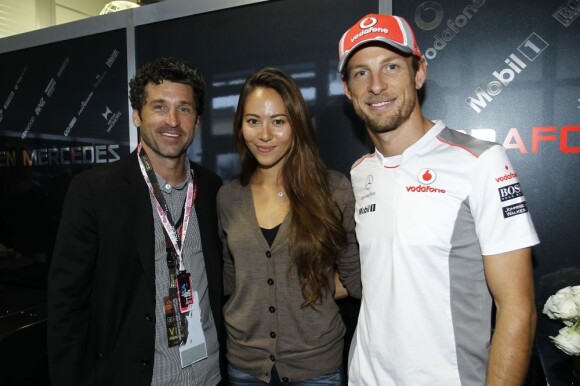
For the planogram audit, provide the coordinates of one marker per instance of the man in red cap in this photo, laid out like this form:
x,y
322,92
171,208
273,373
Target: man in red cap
x,y
443,228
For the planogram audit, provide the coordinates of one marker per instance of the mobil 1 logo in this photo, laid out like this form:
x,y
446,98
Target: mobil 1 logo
x,y
516,62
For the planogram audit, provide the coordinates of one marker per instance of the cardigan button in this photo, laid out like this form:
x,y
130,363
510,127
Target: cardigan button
x,y
270,282
285,379
145,362
272,358
272,334
148,317
272,309
268,254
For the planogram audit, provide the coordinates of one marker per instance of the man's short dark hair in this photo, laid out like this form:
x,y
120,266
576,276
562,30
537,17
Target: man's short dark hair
x,y
170,69
414,64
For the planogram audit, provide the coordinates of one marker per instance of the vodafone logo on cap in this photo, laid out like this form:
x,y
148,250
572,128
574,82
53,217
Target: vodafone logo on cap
x,y
368,27
368,22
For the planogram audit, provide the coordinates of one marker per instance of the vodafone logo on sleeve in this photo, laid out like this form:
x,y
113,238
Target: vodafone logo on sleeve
x,y
507,176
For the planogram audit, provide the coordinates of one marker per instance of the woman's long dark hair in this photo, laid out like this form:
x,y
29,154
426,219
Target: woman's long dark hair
x,y
316,232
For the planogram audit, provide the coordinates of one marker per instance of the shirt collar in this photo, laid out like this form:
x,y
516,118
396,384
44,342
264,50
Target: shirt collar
x,y
396,160
166,187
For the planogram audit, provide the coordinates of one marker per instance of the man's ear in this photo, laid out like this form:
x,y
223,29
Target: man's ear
x,y
346,89
421,74
136,118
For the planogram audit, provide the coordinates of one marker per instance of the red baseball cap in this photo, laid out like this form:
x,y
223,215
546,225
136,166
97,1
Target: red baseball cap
x,y
391,30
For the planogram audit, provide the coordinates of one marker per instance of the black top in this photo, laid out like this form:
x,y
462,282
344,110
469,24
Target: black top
x,y
270,234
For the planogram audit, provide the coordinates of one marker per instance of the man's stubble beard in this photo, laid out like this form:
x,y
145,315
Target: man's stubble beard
x,y
380,125
158,149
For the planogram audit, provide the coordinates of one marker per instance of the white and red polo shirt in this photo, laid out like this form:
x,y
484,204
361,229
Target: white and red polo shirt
x,y
423,221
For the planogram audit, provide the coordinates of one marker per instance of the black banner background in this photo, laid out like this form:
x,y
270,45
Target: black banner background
x,y
64,108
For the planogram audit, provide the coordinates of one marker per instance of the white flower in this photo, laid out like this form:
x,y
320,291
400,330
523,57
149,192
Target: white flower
x,y
568,340
565,304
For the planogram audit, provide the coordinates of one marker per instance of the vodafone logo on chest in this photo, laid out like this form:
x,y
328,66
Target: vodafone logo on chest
x,y
426,178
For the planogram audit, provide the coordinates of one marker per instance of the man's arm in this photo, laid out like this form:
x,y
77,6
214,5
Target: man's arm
x,y
69,288
509,277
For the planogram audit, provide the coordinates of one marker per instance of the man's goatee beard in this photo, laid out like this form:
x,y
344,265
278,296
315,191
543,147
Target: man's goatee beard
x,y
392,123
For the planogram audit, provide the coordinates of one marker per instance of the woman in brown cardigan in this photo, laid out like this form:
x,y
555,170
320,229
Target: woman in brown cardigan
x,y
287,224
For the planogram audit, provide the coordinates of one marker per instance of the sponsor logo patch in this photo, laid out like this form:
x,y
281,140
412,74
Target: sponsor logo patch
x,y
369,181
506,177
510,192
367,209
424,189
427,176
514,210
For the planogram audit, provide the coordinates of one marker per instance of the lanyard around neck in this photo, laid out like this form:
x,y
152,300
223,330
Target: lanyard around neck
x,y
177,238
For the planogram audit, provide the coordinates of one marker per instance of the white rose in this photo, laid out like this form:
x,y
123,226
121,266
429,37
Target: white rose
x,y
576,292
565,304
568,340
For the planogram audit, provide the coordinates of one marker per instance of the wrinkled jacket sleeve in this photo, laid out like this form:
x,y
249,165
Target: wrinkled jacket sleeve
x,y
229,271
69,286
348,263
